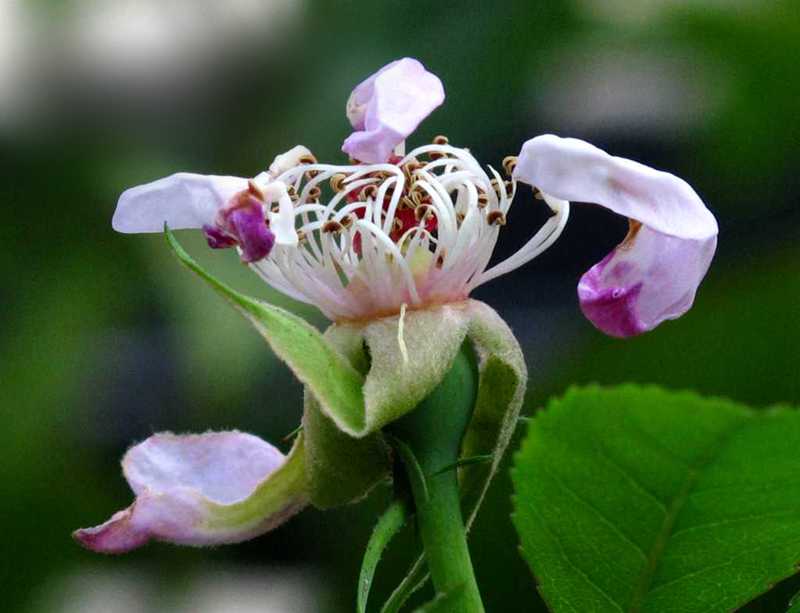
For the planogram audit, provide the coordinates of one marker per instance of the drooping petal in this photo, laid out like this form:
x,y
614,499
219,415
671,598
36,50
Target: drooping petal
x,y
206,489
654,274
388,106
183,200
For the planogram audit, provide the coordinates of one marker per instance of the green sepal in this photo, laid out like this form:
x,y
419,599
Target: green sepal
x,y
341,469
389,524
335,383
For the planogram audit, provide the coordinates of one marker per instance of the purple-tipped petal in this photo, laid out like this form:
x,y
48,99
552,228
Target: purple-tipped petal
x,y
207,489
388,106
643,282
183,200
654,274
249,224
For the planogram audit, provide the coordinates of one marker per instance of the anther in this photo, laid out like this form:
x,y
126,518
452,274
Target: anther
x,y
370,192
441,140
301,236
347,221
291,190
423,212
406,203
314,193
459,218
397,225
308,158
331,226
254,190
483,200
509,188
337,182
310,174
440,259
537,193
496,218
509,164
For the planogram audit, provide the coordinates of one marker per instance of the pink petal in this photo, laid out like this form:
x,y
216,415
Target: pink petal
x,y
197,490
388,106
182,200
654,274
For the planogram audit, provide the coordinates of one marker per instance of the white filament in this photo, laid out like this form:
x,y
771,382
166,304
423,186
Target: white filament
x,y
347,262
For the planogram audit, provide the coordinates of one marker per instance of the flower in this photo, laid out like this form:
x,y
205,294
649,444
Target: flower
x,y
389,248
361,240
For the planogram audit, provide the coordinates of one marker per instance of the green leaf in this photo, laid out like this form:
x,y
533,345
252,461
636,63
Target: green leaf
x,y
332,380
639,499
388,525
794,604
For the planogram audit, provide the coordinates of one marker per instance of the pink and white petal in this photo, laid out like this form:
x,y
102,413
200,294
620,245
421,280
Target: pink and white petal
x,y
183,200
207,489
388,106
649,278
654,274
574,170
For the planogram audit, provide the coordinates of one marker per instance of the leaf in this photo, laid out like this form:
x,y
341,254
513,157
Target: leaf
x,y
332,380
388,525
794,604
638,499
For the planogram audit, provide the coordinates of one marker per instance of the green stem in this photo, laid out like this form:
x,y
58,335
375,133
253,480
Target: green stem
x,y
433,433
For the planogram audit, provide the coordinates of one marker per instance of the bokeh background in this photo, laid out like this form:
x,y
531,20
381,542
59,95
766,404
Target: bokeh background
x,y
105,339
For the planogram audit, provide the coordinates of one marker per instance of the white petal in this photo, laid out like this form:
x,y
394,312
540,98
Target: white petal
x,y
577,171
183,200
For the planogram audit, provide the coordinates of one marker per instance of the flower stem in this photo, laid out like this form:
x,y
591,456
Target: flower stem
x,y
433,433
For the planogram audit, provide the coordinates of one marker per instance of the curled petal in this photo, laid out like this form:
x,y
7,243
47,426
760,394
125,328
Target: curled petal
x,y
206,489
654,274
644,282
183,200
388,106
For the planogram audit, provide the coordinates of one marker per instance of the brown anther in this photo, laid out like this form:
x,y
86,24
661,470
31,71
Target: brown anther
x,y
370,192
337,181
509,188
483,200
314,193
436,155
397,225
410,168
423,212
254,190
495,185
291,190
331,226
441,140
274,207
310,174
509,164
459,218
308,158
347,221
406,203
354,162
496,218
440,260
301,236
537,193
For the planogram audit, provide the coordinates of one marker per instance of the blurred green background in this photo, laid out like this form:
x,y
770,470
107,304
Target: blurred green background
x,y
105,339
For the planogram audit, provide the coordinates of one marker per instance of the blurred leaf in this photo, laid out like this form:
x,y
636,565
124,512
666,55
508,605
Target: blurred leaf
x,y
639,499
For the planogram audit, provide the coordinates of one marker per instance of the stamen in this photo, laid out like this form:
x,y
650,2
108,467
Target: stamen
x,y
496,218
254,190
441,140
331,226
337,181
509,164
401,341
